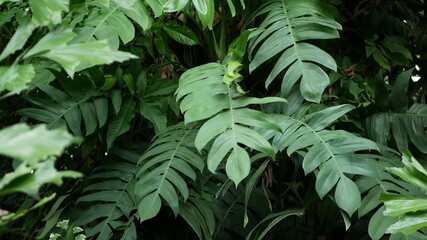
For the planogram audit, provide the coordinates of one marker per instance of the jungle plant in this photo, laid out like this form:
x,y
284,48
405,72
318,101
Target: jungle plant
x,y
212,119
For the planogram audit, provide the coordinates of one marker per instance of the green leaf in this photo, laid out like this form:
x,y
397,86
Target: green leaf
x,y
379,224
174,5
277,217
283,31
124,28
230,122
18,39
140,14
149,207
121,122
181,34
33,144
76,57
29,181
16,77
110,197
397,205
46,12
409,224
347,195
165,169
205,10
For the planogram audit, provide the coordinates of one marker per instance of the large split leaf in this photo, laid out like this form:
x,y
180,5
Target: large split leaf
x,y
283,31
332,152
230,122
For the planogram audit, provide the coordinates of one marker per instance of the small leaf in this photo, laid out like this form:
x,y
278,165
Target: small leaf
x,y
149,207
347,195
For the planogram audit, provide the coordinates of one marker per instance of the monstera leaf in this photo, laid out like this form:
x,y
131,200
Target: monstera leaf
x,y
229,122
283,31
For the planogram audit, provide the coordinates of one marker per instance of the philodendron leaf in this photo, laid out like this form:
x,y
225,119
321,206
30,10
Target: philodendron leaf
x,y
33,144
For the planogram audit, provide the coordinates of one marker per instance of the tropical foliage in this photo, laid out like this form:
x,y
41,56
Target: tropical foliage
x,y
213,119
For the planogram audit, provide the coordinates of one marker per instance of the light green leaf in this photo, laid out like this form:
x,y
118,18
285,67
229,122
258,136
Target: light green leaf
x,y
140,14
16,77
124,28
18,39
33,144
409,224
205,10
174,5
72,57
397,205
47,12
29,181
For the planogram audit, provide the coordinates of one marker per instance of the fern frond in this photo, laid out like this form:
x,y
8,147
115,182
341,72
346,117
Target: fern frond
x,y
164,170
111,198
230,121
333,152
283,31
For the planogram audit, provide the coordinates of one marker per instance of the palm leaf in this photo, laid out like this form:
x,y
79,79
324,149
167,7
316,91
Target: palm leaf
x,y
164,170
230,122
111,198
283,31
